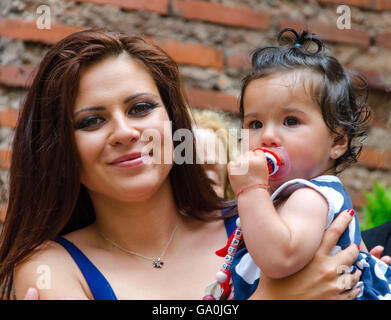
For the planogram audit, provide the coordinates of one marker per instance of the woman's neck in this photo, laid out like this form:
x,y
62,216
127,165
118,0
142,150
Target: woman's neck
x,y
144,227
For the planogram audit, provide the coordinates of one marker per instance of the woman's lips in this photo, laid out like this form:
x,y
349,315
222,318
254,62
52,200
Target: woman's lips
x,y
129,161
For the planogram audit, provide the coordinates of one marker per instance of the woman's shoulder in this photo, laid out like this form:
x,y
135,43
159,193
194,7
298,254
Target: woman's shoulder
x,y
51,270
49,252
53,252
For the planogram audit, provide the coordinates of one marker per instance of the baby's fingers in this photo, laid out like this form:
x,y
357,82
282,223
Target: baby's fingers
x,y
377,251
238,167
386,259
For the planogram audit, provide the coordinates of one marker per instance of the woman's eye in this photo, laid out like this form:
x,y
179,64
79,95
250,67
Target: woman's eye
x,y
255,124
89,122
142,108
291,122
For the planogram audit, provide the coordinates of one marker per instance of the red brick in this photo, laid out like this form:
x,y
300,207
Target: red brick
x,y
375,159
191,53
222,14
5,158
159,6
367,4
9,117
329,32
374,79
238,60
28,31
383,39
356,3
382,5
183,53
208,99
17,76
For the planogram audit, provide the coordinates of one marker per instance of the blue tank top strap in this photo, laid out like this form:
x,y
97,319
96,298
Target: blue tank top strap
x,y
230,222
99,286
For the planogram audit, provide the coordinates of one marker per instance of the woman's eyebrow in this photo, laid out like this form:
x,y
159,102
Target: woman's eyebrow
x,y
125,101
130,98
94,108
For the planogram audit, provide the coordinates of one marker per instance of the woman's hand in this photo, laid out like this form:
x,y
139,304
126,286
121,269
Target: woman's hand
x,y
322,277
376,251
33,294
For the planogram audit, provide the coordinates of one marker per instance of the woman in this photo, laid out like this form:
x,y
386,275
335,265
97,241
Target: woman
x,y
80,169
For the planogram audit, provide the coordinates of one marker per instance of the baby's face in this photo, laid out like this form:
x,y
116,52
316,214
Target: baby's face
x,y
281,116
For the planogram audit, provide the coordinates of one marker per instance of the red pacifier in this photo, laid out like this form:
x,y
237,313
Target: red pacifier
x,y
273,161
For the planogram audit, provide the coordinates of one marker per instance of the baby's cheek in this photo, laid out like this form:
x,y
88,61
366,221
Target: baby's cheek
x,y
250,141
303,165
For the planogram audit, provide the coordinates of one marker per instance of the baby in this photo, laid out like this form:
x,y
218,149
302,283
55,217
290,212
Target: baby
x,y
302,105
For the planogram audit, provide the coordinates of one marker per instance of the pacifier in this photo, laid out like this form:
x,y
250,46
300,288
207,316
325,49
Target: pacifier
x,y
273,161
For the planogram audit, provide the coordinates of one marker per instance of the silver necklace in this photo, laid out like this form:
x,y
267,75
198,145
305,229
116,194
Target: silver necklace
x,y
156,262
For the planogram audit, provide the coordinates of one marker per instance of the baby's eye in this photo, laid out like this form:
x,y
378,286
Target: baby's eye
x,y
142,108
291,121
255,124
89,123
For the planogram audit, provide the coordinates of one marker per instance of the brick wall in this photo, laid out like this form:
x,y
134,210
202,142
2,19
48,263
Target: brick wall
x,y
211,41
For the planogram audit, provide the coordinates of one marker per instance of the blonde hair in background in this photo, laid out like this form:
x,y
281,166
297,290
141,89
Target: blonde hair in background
x,y
226,127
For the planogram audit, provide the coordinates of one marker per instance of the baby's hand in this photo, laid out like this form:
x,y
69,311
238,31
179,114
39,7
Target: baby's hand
x,y
247,169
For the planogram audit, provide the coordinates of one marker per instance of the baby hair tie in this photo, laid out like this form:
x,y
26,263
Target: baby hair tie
x,y
298,45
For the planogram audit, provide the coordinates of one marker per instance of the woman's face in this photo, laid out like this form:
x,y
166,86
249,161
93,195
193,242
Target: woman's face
x,y
117,104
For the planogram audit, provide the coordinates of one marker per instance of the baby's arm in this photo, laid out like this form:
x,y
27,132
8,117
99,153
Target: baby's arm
x,y
283,242
50,270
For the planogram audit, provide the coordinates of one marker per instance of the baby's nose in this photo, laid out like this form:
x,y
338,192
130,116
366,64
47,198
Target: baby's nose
x,y
270,138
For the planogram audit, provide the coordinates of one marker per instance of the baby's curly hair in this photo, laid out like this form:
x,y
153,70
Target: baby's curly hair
x,y
341,94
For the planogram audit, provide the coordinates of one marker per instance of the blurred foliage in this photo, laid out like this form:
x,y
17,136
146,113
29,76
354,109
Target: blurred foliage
x,y
378,208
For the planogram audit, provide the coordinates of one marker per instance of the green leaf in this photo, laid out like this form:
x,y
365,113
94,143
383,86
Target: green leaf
x,y
378,208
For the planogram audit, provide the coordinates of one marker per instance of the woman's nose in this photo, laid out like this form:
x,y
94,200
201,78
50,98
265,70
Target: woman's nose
x,y
123,132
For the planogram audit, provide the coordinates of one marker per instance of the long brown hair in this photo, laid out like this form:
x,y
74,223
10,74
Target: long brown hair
x,y
46,198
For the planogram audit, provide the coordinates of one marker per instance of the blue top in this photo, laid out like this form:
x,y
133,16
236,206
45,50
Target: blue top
x,y
99,286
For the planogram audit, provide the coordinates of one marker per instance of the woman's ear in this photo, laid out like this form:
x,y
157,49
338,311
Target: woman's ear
x,y
339,144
